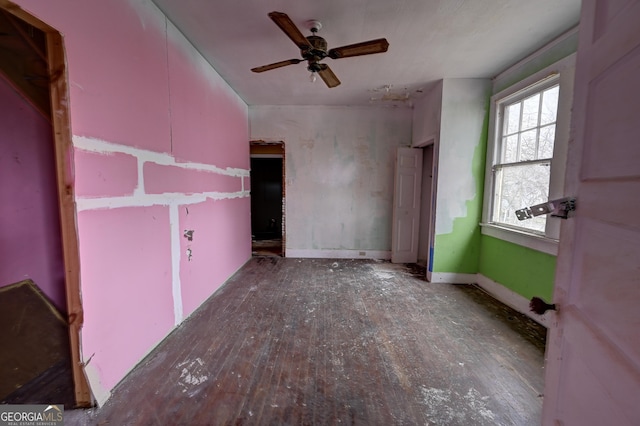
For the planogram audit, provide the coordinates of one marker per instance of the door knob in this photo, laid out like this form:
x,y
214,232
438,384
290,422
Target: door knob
x,y
539,306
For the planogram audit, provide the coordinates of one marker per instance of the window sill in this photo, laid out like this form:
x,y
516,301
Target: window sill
x,y
534,242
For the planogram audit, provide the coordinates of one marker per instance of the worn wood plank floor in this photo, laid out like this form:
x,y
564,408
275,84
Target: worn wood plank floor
x,y
327,342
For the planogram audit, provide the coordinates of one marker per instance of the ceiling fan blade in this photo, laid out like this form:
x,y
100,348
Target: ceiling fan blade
x,y
328,76
365,48
276,65
290,29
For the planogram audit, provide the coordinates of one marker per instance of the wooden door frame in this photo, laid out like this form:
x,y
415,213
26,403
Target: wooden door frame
x,y
430,142
63,151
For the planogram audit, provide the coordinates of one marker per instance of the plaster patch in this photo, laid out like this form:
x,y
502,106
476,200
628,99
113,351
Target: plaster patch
x,y
462,120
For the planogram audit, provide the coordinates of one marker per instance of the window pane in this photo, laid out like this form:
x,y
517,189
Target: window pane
x,y
549,105
520,186
512,118
528,145
547,138
510,149
530,108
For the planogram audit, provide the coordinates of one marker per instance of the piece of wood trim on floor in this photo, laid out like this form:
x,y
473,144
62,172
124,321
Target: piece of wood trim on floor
x,y
514,300
338,254
453,278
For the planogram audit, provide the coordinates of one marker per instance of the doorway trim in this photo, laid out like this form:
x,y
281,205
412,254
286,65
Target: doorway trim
x,y
431,141
63,151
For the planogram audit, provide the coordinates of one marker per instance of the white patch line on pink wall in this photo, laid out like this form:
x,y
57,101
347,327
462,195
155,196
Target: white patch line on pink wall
x,y
104,147
176,287
140,198
148,200
140,187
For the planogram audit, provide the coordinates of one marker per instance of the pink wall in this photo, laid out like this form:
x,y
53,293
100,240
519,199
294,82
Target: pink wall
x,y
30,245
156,132
212,259
126,253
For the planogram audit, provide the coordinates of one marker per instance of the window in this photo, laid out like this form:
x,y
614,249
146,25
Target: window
x,y
527,127
526,156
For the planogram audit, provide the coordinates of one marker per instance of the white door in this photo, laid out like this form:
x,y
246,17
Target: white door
x,y
406,206
593,352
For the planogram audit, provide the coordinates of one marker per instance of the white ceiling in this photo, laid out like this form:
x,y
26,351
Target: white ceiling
x,y
428,40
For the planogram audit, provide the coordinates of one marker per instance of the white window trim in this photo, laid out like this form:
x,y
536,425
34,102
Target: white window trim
x,y
547,244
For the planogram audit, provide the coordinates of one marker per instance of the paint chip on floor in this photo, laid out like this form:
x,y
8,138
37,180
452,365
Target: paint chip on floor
x,y
445,407
192,374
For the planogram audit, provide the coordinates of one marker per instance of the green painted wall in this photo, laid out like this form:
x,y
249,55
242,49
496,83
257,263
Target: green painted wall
x,y
527,272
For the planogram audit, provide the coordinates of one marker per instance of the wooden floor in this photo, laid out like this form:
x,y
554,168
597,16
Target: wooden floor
x,y
328,342
270,247
35,361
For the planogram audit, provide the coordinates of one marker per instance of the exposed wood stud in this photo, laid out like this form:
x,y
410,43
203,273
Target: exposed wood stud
x,y
64,159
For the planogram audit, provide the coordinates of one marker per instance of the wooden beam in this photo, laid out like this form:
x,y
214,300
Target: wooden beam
x,y
22,67
25,37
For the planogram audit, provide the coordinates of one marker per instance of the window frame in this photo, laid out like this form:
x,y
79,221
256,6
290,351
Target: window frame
x,y
562,73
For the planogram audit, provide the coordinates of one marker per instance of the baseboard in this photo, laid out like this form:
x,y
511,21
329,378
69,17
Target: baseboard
x,y
338,254
98,390
514,300
453,278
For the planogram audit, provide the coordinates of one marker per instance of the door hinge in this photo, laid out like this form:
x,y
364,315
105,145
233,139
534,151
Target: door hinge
x,y
556,208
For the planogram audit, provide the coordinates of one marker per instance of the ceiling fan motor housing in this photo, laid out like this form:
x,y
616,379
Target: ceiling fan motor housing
x,y
318,51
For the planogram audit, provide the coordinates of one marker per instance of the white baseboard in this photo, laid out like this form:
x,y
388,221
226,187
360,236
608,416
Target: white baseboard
x,y
514,300
338,254
453,278
99,392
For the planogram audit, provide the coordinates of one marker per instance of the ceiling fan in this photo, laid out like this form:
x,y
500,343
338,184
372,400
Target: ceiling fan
x,y
313,49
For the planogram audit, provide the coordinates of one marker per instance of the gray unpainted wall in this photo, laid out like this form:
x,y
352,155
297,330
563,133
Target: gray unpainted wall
x,y
339,175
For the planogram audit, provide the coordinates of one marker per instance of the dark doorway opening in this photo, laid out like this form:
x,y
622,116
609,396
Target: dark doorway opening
x,y
267,199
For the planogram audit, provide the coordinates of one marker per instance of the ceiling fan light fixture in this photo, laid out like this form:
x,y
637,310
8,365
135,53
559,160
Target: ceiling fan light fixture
x,y
313,77
314,25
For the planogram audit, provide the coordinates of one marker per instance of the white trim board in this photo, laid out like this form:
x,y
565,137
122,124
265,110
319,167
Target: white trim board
x,y
338,254
514,300
453,278
521,238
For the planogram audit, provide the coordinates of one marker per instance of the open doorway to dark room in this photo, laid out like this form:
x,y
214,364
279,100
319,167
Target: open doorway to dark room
x,y
267,198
